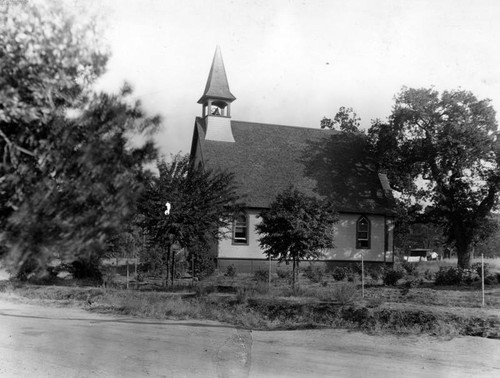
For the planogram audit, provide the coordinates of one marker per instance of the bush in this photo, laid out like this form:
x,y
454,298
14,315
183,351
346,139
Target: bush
x,y
230,271
86,268
489,280
449,276
477,268
284,273
345,293
410,268
375,273
261,275
429,275
314,273
340,273
392,276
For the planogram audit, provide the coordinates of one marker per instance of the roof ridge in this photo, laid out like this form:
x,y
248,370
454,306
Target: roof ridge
x,y
281,125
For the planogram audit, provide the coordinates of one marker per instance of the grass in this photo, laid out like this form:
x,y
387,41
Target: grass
x,y
246,301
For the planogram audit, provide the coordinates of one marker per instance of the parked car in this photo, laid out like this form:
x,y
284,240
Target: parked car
x,y
421,254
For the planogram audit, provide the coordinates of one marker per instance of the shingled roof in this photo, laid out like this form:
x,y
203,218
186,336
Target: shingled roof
x,y
266,159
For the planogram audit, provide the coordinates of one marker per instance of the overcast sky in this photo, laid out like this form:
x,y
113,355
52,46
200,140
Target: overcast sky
x,y
292,62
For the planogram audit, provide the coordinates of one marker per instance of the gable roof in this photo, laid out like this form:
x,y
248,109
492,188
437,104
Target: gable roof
x,y
266,159
217,86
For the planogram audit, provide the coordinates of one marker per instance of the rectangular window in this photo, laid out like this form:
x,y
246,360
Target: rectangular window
x,y
240,230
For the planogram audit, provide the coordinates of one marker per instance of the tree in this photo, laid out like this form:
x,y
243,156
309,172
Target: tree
x,y
202,205
346,119
296,227
68,176
442,150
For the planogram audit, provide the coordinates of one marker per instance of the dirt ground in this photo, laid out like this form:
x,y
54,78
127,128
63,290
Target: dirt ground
x,y
70,342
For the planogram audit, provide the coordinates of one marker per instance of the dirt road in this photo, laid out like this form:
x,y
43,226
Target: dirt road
x,y
40,341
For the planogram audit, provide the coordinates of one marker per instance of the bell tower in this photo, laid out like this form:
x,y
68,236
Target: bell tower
x,y
216,102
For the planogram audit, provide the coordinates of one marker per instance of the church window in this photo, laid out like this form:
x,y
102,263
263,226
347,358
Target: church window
x,y
240,229
363,233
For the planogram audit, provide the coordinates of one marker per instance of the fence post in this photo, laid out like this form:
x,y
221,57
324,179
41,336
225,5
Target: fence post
x,y
482,275
269,283
362,277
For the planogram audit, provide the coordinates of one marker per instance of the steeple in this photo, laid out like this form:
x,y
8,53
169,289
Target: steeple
x,y
216,102
217,97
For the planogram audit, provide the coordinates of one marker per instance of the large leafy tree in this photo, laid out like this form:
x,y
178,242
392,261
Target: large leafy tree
x,y
296,227
442,151
68,175
202,205
346,120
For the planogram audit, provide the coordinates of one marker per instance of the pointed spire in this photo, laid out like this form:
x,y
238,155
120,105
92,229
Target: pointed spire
x,y
217,86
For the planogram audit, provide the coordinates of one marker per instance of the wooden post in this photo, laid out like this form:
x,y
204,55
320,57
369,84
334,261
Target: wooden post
x,y
362,277
128,274
192,268
482,275
269,281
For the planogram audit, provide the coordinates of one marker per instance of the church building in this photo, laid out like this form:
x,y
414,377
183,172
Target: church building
x,y
267,159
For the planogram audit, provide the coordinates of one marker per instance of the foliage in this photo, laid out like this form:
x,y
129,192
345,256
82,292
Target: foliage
x,y
296,227
261,275
346,119
477,267
345,293
68,176
410,268
339,273
230,271
204,260
283,273
203,203
392,276
449,276
314,273
488,243
442,150
375,272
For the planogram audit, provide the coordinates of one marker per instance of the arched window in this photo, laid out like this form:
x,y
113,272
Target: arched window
x,y
363,230
240,229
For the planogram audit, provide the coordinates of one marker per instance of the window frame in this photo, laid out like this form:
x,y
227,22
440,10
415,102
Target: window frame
x,y
359,240
240,241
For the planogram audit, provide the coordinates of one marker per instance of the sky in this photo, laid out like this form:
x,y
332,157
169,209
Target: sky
x,y
293,62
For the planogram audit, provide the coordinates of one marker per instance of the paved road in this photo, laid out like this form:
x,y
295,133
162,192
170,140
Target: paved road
x,y
40,341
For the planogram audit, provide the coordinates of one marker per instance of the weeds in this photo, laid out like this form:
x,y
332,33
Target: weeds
x,y
392,276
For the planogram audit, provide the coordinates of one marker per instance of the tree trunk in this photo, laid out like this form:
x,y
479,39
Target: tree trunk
x,y
463,243
167,266
172,274
293,275
463,252
464,257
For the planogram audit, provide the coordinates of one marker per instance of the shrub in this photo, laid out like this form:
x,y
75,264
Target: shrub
x,y
86,268
489,280
261,275
345,293
498,277
429,275
375,273
340,273
284,273
230,271
314,273
410,268
477,268
392,276
449,276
